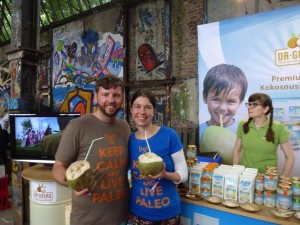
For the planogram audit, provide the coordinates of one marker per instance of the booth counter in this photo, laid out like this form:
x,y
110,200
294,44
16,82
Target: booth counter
x,y
48,199
201,212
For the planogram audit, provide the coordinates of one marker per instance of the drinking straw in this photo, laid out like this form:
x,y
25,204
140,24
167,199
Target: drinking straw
x,y
147,141
221,120
91,147
152,189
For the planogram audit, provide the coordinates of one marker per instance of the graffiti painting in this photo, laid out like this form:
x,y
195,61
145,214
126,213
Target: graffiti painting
x,y
79,59
150,34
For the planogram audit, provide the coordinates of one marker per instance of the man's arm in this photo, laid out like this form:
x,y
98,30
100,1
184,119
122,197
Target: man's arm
x,y
59,172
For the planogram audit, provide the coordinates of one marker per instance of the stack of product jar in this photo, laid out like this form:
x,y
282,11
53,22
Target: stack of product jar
x,y
200,178
284,193
296,193
245,185
191,153
206,179
190,165
259,189
274,191
270,185
191,161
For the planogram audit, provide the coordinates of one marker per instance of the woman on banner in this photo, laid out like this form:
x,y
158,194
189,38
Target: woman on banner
x,y
258,137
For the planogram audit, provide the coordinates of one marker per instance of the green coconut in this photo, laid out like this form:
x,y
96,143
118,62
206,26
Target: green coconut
x,y
80,175
219,139
149,164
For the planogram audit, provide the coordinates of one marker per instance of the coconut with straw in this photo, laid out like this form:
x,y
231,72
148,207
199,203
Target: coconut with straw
x,y
219,139
79,174
149,163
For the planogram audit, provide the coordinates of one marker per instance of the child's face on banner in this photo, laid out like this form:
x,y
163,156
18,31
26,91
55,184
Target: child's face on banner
x,y
226,103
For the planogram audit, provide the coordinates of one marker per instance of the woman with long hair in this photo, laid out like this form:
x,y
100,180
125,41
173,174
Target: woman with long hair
x,y
258,137
154,199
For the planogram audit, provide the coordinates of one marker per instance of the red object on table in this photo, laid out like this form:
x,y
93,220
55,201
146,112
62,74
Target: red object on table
x,y
4,202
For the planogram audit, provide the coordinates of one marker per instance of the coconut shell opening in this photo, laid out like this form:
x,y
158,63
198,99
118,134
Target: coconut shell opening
x,y
149,164
80,175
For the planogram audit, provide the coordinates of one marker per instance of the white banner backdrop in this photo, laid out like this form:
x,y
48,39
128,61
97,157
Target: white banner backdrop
x,y
266,47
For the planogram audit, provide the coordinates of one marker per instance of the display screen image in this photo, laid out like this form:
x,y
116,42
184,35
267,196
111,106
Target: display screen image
x,y
28,132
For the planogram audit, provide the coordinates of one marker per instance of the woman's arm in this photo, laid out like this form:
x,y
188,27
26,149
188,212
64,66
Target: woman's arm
x,y
237,152
180,167
289,158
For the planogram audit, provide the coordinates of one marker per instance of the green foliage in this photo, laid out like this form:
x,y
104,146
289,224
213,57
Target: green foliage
x,y
26,124
178,20
179,104
35,148
50,12
4,73
178,32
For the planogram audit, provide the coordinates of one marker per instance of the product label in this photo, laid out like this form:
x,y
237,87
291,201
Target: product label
x,y
43,191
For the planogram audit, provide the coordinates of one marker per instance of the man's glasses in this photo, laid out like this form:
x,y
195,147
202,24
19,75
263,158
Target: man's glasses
x,y
251,105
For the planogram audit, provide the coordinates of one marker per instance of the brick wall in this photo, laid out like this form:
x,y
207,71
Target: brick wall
x,y
186,15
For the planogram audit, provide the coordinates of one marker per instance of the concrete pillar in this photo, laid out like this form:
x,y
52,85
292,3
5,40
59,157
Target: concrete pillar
x,y
25,54
23,61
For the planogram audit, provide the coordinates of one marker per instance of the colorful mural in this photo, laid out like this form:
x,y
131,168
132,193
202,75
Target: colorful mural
x,y
79,58
15,72
9,86
17,185
4,89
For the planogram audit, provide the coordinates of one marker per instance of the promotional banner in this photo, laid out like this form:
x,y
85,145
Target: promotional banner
x,y
263,53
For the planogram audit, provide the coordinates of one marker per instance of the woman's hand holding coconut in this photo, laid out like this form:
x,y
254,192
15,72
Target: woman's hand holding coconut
x,y
157,176
163,174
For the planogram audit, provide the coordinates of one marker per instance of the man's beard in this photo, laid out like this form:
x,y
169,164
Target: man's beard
x,y
102,109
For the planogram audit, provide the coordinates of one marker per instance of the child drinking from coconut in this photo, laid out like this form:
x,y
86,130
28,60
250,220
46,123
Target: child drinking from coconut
x,y
224,89
154,198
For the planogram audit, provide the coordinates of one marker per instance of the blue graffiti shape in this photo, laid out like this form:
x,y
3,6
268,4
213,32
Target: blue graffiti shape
x,y
89,36
56,58
146,18
89,50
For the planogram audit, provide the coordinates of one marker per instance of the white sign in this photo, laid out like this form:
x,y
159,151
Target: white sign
x,y
43,191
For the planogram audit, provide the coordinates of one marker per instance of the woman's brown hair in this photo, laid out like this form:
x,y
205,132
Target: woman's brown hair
x,y
265,101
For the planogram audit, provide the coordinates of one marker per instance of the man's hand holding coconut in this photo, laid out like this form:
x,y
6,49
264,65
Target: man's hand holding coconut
x,y
80,177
